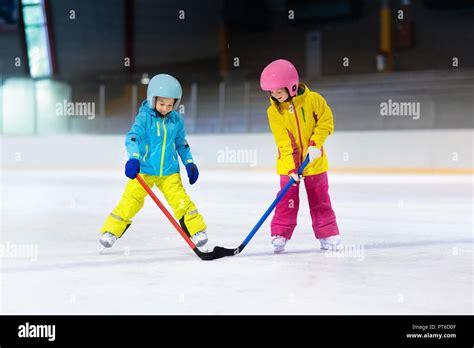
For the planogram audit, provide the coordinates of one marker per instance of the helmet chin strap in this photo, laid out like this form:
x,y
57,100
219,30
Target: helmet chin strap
x,y
160,114
286,100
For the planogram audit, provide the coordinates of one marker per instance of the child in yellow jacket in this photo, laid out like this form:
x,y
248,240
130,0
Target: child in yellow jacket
x,y
300,121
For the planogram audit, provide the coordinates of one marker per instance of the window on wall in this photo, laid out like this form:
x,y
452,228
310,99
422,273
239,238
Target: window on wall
x,y
37,40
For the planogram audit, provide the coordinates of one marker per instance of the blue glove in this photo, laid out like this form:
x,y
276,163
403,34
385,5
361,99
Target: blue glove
x,y
193,172
132,168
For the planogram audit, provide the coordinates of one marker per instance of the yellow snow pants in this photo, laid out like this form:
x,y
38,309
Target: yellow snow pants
x,y
133,199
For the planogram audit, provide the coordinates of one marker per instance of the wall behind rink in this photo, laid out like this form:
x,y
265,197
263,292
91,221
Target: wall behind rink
x,y
442,100
404,151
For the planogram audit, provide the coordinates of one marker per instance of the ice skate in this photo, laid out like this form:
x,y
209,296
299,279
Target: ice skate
x,y
333,243
279,243
199,239
107,240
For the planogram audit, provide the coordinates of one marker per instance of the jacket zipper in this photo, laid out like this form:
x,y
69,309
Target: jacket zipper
x,y
146,152
299,131
163,148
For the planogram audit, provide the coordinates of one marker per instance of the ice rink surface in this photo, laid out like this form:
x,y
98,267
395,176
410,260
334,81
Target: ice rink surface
x,y
408,248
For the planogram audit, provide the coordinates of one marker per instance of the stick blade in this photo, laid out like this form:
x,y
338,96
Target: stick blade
x,y
220,252
217,253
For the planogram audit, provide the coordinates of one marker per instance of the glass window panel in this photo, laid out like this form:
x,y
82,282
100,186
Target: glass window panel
x,y
38,53
30,2
33,15
18,106
49,94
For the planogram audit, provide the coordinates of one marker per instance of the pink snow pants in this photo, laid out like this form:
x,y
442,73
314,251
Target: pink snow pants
x,y
322,215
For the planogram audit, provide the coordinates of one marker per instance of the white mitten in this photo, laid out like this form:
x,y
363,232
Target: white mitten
x,y
314,153
297,178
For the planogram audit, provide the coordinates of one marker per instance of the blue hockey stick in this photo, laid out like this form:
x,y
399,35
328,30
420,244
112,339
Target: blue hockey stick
x,y
272,206
219,252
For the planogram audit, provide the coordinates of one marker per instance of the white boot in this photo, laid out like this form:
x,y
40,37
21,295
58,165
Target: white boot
x,y
107,239
199,239
331,243
279,243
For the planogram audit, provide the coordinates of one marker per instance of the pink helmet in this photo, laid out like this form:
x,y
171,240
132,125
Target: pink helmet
x,y
279,74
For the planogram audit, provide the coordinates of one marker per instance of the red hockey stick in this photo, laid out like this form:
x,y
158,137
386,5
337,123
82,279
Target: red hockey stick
x,y
218,251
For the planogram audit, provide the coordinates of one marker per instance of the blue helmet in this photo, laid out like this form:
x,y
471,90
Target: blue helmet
x,y
166,86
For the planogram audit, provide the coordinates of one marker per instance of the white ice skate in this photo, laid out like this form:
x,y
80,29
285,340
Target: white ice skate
x,y
279,243
199,239
107,239
333,243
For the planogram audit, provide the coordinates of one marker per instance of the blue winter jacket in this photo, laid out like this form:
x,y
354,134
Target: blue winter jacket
x,y
154,140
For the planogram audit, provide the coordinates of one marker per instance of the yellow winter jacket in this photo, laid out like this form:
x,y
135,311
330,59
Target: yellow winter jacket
x,y
296,124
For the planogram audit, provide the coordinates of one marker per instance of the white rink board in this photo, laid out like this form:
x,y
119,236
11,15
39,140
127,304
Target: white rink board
x,y
425,149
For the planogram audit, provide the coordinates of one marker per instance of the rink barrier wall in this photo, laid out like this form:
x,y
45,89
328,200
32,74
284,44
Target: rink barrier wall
x,y
407,151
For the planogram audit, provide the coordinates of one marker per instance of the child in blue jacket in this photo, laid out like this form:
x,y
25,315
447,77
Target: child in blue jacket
x,y
153,144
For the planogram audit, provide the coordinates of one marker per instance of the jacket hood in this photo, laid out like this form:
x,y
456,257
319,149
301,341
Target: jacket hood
x,y
145,107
